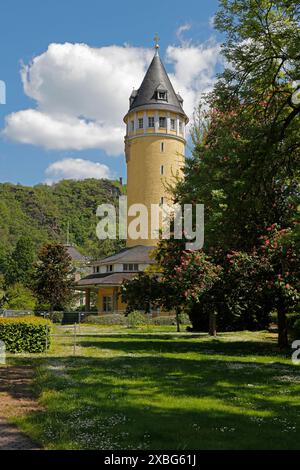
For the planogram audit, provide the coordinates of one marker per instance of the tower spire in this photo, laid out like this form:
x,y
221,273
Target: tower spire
x,y
156,45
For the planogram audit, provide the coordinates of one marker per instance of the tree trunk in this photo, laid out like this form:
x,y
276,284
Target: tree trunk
x,y
51,311
212,324
177,321
282,328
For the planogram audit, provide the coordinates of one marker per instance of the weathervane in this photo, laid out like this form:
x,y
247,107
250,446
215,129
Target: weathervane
x,y
156,45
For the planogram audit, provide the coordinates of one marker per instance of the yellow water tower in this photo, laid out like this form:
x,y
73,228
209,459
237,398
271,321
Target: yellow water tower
x,y
154,142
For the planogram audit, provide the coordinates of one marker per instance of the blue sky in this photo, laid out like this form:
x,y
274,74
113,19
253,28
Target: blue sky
x,y
62,131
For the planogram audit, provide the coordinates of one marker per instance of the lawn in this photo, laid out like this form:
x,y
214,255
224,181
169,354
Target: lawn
x,y
156,389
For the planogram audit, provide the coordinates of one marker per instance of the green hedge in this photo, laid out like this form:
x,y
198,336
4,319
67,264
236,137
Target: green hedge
x,y
108,319
137,318
25,334
134,320
164,320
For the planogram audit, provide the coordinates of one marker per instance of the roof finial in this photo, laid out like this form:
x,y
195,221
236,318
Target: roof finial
x,y
156,45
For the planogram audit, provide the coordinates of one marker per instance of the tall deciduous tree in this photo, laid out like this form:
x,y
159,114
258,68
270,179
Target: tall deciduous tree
x,y
245,166
18,267
53,278
185,277
246,162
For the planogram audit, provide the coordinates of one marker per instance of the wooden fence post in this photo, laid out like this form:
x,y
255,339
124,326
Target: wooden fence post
x,y
74,344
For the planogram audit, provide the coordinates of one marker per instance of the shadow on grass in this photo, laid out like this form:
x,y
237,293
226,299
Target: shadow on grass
x,y
169,344
131,402
16,381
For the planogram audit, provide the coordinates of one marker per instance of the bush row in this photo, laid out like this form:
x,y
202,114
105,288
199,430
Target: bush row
x,y
135,319
108,319
27,334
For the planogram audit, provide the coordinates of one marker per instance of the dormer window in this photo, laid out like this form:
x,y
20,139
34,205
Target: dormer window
x,y
161,93
109,268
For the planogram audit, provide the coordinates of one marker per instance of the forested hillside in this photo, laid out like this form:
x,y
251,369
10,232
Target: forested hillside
x,y
43,213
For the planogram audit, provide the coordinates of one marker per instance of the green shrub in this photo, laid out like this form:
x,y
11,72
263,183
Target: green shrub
x,y
136,319
19,298
108,319
25,334
184,319
56,317
164,320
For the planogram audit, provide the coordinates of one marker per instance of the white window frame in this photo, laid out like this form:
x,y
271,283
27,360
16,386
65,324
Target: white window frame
x,y
151,120
162,95
107,303
130,267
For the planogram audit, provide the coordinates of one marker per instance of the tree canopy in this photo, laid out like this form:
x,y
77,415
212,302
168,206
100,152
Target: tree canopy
x,y
53,277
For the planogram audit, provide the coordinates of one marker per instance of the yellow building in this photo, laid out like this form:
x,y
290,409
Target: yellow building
x,y
154,149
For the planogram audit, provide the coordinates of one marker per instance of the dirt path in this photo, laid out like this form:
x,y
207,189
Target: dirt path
x,y
16,399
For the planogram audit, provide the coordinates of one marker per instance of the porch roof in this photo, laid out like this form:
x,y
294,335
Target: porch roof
x,y
104,279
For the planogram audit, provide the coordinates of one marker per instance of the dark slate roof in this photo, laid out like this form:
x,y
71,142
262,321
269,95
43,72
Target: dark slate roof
x,y
112,279
156,78
134,254
75,255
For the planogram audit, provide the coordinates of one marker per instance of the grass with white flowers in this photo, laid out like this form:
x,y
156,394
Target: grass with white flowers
x,y
156,389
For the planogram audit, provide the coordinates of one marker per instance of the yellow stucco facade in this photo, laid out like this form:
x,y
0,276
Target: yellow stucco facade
x,y
155,159
154,149
109,300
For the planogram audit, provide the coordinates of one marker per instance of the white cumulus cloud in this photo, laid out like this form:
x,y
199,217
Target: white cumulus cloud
x,y
76,168
62,132
194,70
81,93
